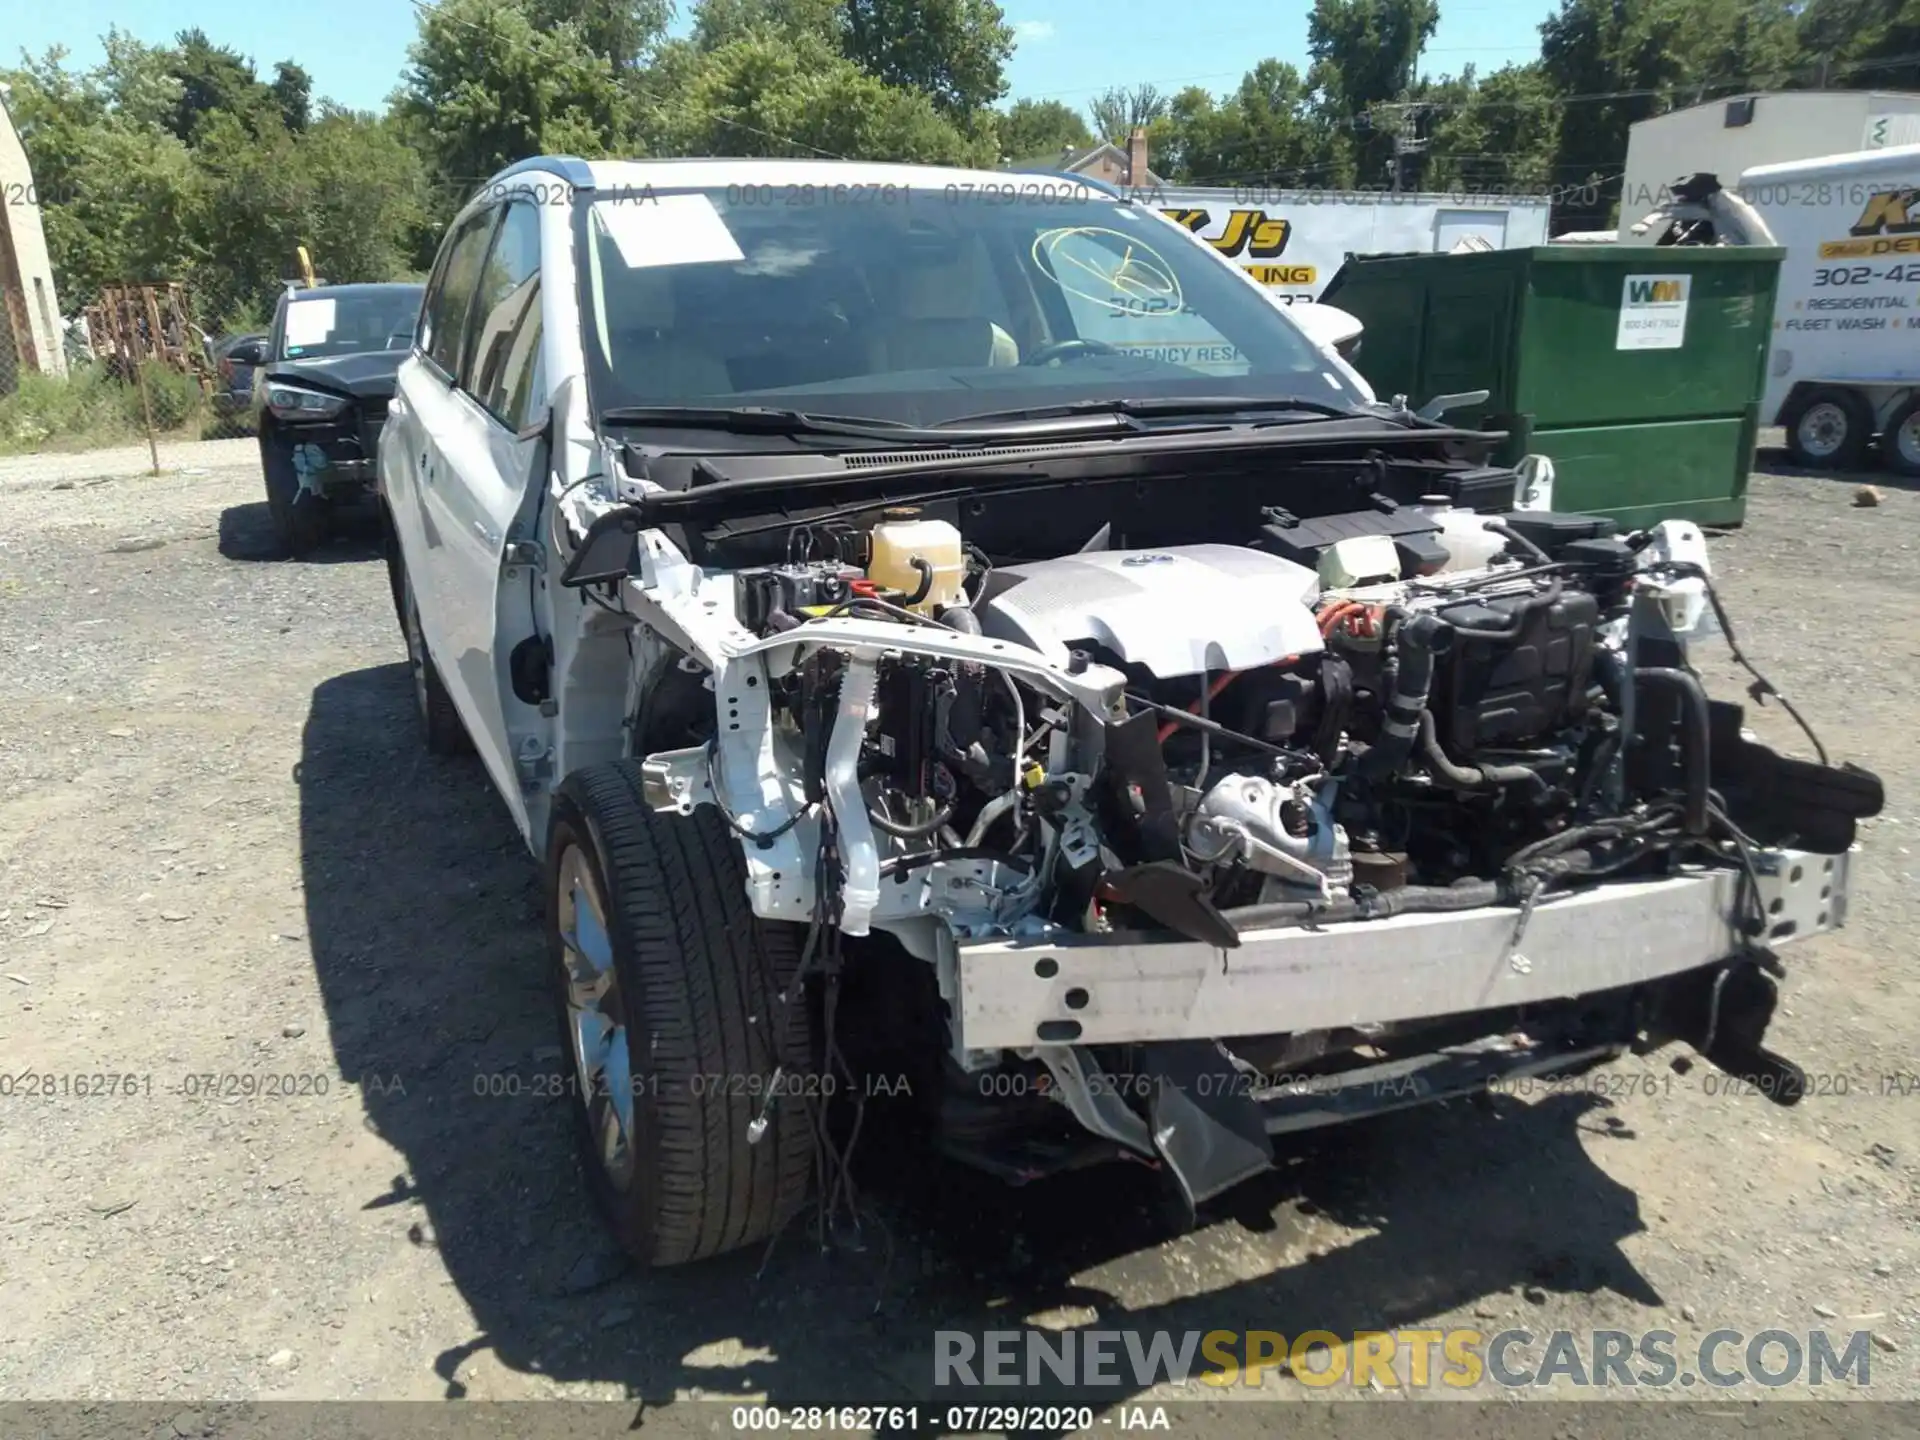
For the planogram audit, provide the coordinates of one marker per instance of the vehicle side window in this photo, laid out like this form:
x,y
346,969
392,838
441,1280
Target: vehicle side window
x,y
444,313
509,282
510,381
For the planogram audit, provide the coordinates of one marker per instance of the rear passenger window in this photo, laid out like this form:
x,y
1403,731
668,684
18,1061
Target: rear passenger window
x,y
444,314
505,328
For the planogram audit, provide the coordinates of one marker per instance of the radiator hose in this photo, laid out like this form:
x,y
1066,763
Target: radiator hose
x,y
1416,640
1695,738
1468,777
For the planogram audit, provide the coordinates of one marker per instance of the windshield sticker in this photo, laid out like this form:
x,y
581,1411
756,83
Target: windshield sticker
x,y
673,230
309,322
1121,272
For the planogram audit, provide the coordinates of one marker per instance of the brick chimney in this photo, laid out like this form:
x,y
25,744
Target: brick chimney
x,y
1137,157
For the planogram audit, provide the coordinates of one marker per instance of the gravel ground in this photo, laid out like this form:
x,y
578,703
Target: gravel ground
x,y
223,853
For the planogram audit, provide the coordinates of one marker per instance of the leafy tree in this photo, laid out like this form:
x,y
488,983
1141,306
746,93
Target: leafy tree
x,y
952,51
1117,112
619,31
1499,135
1264,131
212,77
1648,56
1366,54
766,96
487,86
1036,128
293,92
1861,43
719,22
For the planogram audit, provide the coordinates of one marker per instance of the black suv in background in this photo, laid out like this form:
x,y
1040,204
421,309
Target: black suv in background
x,y
320,397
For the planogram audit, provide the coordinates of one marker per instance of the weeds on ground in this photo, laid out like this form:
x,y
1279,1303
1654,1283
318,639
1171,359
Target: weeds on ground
x,y
88,408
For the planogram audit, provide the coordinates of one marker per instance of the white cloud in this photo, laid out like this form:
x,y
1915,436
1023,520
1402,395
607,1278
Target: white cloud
x,y
1033,29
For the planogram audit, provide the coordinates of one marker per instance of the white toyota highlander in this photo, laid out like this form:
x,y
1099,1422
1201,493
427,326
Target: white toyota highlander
x,y
948,639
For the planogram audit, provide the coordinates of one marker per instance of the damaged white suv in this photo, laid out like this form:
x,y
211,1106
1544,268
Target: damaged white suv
x,y
947,636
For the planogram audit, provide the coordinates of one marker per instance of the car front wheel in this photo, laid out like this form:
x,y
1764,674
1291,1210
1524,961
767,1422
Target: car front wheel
x,y
683,1022
300,518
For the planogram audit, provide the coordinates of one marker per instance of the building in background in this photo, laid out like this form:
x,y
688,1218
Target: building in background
x,y
30,329
1727,137
1105,162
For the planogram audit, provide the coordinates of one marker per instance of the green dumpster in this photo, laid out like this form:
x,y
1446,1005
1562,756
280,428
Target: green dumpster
x,y
1637,370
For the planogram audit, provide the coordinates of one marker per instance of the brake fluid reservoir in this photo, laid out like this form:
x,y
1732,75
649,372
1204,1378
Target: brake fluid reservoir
x,y
1468,542
901,538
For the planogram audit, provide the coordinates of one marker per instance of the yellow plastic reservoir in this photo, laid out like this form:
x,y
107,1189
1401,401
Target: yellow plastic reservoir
x,y
903,537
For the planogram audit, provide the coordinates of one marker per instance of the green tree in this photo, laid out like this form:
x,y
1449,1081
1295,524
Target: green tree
x,y
621,32
1118,111
293,92
1644,57
1040,129
1366,54
796,96
953,51
213,77
486,86
1265,131
720,22
1496,135
1861,43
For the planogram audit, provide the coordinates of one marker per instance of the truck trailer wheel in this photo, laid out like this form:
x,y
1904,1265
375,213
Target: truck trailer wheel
x,y
1828,429
676,1023
1900,444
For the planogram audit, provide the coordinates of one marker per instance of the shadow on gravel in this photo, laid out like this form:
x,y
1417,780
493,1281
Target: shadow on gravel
x,y
246,533
422,907
1779,462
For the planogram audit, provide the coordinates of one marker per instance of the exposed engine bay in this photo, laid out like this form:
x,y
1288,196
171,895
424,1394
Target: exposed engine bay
x,y
948,743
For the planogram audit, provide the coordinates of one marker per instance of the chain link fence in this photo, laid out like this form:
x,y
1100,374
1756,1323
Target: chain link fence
x,y
131,385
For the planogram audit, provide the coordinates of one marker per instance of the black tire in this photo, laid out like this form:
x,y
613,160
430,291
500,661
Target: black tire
x,y
697,980
300,518
441,727
1828,428
1900,443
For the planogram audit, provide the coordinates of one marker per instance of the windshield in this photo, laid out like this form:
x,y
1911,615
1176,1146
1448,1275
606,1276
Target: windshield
x,y
320,324
919,307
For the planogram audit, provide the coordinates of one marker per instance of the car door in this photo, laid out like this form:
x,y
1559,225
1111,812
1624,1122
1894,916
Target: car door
x,y
420,419
482,472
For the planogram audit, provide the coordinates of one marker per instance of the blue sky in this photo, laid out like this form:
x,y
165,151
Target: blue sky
x,y
1068,50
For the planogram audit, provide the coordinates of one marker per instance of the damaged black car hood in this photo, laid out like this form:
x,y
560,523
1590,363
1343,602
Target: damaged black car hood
x,y
369,375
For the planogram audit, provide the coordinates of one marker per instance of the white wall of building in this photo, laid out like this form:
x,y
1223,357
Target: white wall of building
x,y
25,269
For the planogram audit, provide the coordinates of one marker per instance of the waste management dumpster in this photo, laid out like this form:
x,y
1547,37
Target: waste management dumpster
x,y
1637,371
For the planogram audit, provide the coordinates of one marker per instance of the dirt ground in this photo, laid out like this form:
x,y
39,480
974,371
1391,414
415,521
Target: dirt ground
x,y
224,853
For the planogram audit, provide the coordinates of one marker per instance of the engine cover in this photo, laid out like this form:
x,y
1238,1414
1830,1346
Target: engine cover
x,y
1177,611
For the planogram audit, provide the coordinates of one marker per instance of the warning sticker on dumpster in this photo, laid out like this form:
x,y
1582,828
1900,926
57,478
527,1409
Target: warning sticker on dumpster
x,y
1653,312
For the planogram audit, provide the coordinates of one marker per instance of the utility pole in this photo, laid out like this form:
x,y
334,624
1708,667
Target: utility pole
x,y
1402,117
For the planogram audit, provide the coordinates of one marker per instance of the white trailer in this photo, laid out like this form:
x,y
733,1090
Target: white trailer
x,y
1845,360
1292,241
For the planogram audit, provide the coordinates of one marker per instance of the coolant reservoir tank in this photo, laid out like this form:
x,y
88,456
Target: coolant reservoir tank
x,y
904,536
1468,542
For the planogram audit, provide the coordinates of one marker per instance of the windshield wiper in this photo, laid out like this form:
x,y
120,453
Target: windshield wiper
x,y
768,420
1173,407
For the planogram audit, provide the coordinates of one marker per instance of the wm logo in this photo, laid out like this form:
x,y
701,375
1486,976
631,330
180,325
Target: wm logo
x,y
1654,292
1888,212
